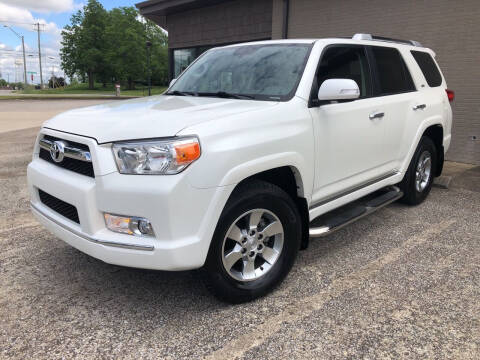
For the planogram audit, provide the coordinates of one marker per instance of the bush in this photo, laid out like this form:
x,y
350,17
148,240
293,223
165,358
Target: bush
x,y
17,85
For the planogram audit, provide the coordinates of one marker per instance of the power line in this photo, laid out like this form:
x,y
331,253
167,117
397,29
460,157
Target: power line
x,y
18,51
25,23
15,22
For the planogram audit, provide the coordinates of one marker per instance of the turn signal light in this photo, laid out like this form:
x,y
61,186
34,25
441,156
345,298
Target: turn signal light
x,y
187,153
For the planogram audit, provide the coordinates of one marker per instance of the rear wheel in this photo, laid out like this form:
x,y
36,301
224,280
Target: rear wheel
x,y
255,243
418,180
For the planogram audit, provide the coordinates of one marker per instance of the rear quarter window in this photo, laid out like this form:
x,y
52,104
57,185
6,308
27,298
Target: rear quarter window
x,y
428,67
392,72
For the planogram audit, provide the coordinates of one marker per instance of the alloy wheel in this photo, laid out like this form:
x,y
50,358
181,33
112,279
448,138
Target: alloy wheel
x,y
423,171
252,245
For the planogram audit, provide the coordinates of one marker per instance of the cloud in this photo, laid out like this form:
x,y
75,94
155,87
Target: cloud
x,y
14,72
20,17
79,5
24,18
44,6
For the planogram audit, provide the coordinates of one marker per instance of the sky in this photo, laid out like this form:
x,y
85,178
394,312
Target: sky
x,y
20,15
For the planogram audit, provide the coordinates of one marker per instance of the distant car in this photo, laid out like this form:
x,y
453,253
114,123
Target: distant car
x,y
254,149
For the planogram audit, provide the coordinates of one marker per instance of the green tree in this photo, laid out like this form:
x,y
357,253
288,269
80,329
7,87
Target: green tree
x,y
3,82
83,43
126,39
159,53
106,46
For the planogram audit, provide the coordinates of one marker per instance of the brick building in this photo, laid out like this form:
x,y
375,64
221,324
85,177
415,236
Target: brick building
x,y
450,28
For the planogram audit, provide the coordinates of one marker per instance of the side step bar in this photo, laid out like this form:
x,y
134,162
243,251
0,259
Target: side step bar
x,y
334,220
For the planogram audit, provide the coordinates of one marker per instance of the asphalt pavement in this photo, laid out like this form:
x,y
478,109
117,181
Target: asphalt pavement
x,y
22,114
401,283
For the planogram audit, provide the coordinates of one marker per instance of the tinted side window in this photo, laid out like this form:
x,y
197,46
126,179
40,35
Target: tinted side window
x,y
345,62
428,67
393,75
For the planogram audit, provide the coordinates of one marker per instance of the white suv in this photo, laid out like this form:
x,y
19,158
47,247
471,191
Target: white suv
x,y
245,157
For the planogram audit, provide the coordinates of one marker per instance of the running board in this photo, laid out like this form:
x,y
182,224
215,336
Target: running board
x,y
336,219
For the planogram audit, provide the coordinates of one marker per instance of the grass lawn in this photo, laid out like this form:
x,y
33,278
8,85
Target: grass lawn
x,y
99,90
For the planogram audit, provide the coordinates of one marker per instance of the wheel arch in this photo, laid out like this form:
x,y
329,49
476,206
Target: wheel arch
x,y
289,179
435,133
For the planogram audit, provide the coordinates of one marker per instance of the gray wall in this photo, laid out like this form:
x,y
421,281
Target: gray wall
x,y
232,21
450,28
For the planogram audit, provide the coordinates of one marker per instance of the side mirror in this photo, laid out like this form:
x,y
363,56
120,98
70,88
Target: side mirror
x,y
338,89
172,82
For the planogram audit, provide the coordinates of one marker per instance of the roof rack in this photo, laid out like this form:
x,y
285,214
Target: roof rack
x,y
386,39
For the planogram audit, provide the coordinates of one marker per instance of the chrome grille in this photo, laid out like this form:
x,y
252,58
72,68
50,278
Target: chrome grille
x,y
74,156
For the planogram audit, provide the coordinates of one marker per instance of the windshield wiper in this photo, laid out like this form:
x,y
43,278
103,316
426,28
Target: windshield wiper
x,y
180,93
224,94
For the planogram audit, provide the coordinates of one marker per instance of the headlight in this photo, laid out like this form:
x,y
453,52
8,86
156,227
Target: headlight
x,y
156,156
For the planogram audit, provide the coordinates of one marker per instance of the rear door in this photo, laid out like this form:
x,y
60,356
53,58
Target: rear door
x,y
396,92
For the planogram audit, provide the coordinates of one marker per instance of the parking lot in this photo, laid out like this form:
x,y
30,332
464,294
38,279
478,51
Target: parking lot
x,y
23,114
401,283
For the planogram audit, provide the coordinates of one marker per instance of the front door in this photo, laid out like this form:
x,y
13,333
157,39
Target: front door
x,y
348,135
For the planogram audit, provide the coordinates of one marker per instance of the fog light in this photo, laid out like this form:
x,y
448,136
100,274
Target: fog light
x,y
128,225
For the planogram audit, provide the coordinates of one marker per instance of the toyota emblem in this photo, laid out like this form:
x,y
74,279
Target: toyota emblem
x,y
57,151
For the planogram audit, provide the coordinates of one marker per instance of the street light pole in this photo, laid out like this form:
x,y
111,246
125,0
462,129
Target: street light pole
x,y
23,49
54,79
149,46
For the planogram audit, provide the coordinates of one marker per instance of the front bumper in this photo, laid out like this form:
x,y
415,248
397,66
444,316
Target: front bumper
x,y
183,217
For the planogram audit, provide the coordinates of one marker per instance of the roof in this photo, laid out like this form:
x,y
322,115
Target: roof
x,y
157,10
331,40
164,7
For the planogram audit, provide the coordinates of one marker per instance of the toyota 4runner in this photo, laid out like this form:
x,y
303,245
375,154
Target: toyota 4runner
x,y
252,151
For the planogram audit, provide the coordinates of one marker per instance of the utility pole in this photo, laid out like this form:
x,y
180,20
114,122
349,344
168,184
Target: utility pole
x,y
23,48
24,62
39,55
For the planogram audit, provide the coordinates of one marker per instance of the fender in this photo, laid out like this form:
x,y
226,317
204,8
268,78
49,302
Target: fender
x,y
432,121
258,165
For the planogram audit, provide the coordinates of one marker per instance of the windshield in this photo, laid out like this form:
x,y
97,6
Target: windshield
x,y
261,72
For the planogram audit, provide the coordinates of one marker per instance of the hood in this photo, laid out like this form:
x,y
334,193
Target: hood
x,y
155,116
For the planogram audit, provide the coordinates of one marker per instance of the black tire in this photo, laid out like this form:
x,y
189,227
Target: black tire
x,y
412,196
249,196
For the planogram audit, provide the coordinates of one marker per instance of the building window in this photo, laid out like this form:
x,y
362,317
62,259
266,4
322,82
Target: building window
x,y
184,57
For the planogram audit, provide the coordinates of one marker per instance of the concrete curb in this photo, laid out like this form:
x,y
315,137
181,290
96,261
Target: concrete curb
x,y
65,97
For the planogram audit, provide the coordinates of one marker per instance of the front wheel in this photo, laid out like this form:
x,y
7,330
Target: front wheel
x,y
255,243
418,180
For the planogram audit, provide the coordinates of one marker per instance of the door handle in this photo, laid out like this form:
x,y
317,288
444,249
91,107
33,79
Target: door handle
x,y
376,115
419,107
